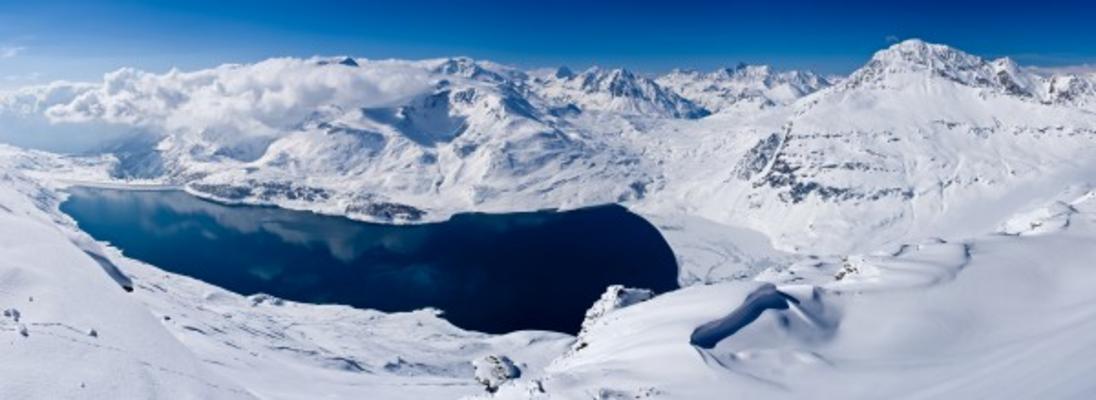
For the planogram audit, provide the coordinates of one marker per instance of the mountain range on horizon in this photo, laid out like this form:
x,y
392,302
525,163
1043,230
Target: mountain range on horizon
x,y
394,140
918,228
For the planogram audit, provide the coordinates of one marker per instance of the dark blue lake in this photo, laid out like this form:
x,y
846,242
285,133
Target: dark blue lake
x,y
487,272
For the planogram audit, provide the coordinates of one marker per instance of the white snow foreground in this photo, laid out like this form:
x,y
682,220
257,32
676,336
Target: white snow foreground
x,y
1002,316
68,330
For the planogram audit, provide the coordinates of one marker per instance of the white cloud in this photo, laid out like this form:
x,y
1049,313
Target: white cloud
x,y
1078,69
265,98
226,104
10,51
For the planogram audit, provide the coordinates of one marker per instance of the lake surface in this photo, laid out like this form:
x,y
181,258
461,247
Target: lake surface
x,y
488,272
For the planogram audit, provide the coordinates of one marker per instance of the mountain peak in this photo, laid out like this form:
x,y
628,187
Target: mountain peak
x,y
564,73
936,61
913,62
344,61
349,62
744,85
742,70
916,54
469,68
619,90
618,81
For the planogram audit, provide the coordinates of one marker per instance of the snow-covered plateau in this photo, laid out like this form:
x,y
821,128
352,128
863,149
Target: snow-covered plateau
x,y
922,228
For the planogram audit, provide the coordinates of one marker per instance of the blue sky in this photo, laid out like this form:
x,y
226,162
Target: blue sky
x,y
45,40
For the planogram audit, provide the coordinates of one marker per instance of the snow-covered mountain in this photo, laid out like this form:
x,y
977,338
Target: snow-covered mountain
x,y
920,131
616,90
904,146
931,215
1003,75
748,87
1078,90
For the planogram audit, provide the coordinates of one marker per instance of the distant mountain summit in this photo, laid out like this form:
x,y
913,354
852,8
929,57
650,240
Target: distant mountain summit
x,y
888,67
744,86
617,90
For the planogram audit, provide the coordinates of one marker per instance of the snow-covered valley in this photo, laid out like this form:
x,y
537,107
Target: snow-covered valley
x,y
919,229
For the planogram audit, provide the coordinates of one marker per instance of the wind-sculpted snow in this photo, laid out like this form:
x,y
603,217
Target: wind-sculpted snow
x,y
1020,308
911,266
1055,216
766,297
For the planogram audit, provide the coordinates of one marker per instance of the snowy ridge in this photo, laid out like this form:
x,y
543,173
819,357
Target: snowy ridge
x,y
1079,90
920,130
1001,76
745,86
617,90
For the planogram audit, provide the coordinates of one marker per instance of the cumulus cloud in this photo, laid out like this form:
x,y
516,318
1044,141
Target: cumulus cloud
x,y
261,98
248,99
36,99
230,101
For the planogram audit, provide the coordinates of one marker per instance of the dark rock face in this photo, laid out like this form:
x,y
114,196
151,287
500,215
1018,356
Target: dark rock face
x,y
796,173
349,62
757,158
222,191
386,211
261,191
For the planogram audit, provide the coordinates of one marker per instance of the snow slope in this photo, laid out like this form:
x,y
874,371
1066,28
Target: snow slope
x,y
69,331
1001,317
